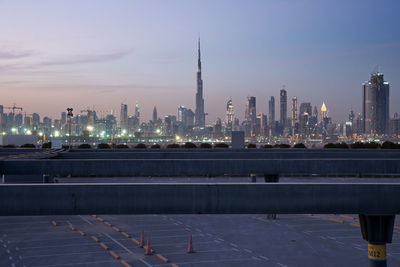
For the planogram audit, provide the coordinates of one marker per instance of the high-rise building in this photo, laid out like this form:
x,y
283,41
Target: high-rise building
x,y
324,112
137,111
250,114
271,116
271,111
306,108
200,116
295,116
376,105
123,117
283,105
186,116
229,116
155,117
63,117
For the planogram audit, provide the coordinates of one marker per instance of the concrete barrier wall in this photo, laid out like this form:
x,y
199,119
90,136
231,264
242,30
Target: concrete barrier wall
x,y
227,154
72,199
198,167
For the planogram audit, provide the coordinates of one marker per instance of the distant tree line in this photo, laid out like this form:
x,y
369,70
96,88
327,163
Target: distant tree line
x,y
190,145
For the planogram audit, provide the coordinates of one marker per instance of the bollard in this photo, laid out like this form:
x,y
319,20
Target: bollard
x,y
377,230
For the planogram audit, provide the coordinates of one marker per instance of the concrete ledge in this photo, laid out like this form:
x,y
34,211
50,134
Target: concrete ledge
x,y
59,199
199,167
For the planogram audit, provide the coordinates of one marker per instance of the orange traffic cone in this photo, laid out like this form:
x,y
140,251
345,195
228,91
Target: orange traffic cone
x,y
190,245
148,250
141,243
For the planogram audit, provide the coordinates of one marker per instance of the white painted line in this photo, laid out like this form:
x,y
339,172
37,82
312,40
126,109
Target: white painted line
x,y
281,264
234,245
182,244
122,246
47,239
263,257
74,264
208,261
344,237
64,254
341,243
248,250
199,251
171,236
8,251
336,230
220,239
60,246
86,220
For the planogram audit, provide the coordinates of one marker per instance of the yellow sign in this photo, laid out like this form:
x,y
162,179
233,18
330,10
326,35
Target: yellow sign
x,y
377,252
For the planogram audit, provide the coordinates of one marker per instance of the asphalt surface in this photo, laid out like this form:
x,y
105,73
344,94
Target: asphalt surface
x,y
218,240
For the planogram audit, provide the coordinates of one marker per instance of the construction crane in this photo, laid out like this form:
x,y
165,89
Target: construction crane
x,y
13,108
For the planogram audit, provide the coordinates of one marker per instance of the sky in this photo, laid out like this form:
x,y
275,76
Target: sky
x,y
98,54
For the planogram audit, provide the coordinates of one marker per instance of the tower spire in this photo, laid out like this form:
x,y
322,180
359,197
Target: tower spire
x,y
199,112
199,57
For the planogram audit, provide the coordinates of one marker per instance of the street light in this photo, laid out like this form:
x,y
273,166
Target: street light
x,y
69,115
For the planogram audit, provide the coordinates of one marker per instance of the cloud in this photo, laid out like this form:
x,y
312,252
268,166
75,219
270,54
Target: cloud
x,y
88,58
13,54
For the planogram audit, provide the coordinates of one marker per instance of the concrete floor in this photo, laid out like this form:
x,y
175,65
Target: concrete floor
x,y
219,240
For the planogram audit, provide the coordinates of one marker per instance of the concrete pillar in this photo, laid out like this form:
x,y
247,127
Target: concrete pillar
x,y
271,178
253,177
237,139
47,178
377,230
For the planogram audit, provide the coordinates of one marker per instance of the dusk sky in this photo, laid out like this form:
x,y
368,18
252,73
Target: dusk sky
x,y
63,53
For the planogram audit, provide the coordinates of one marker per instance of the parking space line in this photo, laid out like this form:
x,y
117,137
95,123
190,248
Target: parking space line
x,y
64,254
200,251
69,245
73,264
207,261
86,220
118,243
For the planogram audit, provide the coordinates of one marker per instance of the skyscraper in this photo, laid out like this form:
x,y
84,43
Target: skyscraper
x,y
324,112
155,117
123,117
250,114
200,116
229,116
283,104
295,116
376,105
271,111
137,112
271,116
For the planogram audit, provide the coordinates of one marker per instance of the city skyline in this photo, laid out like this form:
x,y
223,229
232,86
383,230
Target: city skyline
x,y
50,75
